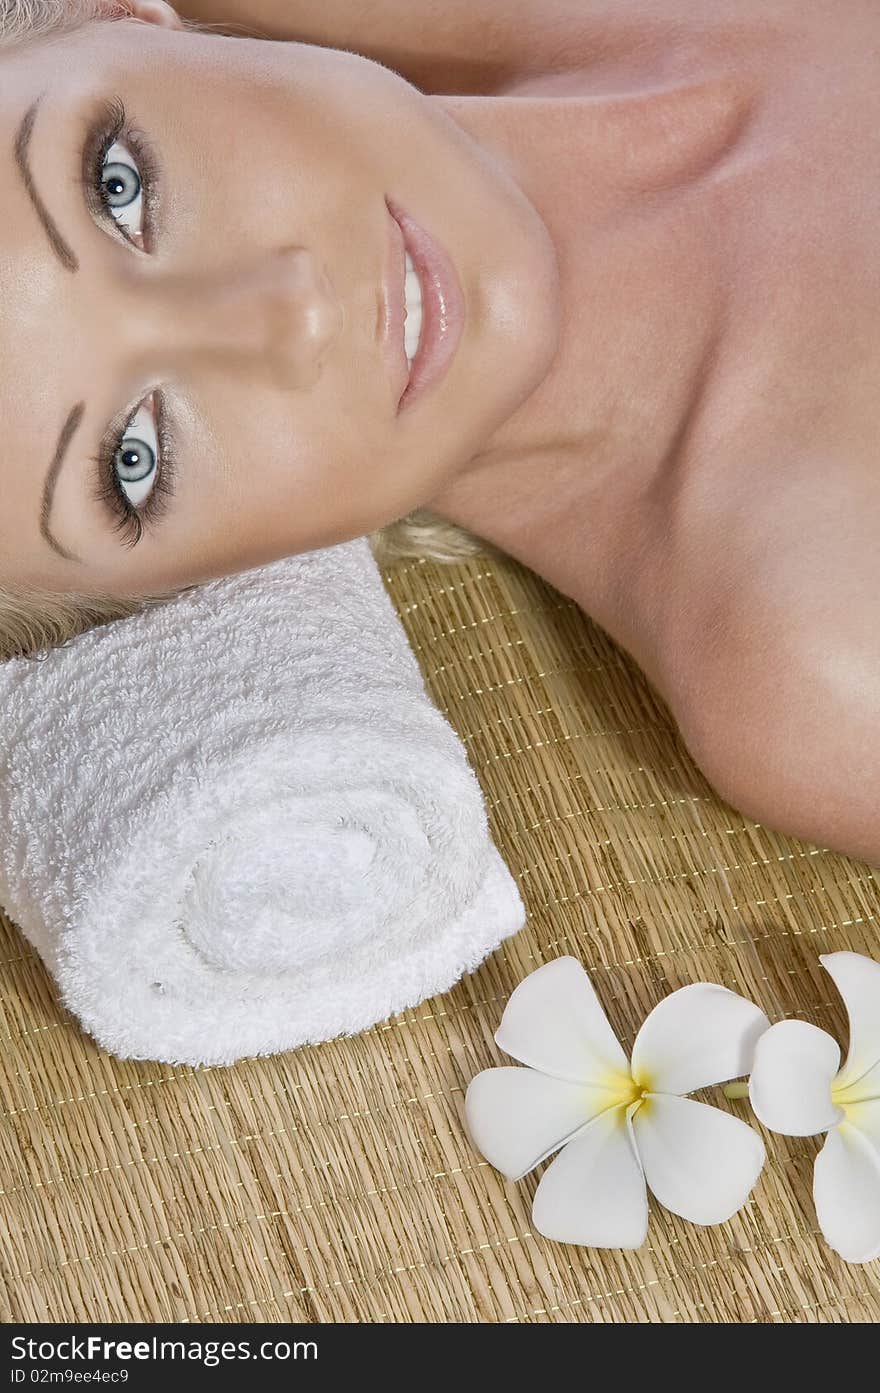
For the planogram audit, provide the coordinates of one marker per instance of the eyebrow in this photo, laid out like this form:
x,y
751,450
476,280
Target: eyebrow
x,y
22,140
70,263
68,430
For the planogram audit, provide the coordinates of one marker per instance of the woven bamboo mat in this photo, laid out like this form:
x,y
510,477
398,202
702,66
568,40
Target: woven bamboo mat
x,y
336,1182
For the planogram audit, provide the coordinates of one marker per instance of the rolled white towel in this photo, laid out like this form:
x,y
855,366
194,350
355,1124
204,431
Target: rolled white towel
x,y
237,823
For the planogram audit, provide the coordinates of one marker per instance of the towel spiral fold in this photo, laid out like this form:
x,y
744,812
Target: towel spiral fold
x,y
237,823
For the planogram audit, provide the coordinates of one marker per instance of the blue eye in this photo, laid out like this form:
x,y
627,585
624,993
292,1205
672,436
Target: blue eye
x,y
136,469
120,174
121,182
135,465
122,188
136,456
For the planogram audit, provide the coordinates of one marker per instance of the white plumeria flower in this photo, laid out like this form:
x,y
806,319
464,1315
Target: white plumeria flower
x,y
798,1088
621,1123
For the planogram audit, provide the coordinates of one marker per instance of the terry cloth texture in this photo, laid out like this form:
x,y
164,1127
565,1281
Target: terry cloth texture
x,y
237,822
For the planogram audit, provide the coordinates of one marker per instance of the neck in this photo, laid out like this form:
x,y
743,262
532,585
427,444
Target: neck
x,y
612,176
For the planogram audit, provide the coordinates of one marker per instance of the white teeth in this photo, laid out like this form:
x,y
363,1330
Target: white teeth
x,y
412,329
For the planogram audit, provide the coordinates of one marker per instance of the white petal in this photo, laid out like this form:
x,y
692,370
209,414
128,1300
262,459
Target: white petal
x,y
516,1117
790,1088
554,1022
700,1162
594,1192
698,1035
857,978
846,1191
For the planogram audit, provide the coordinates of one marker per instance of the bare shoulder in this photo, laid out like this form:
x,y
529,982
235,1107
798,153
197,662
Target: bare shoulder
x,y
776,650
503,47
462,47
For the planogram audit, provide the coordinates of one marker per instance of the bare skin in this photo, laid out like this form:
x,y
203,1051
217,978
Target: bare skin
x,y
252,299
700,470
671,409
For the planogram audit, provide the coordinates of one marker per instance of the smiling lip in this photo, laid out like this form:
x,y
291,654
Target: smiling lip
x,y
443,308
394,306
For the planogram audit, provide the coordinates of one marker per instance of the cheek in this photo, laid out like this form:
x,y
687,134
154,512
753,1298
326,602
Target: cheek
x,y
314,135
286,471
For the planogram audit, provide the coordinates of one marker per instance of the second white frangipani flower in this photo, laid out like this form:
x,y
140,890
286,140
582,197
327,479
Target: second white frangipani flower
x,y
623,1125
798,1088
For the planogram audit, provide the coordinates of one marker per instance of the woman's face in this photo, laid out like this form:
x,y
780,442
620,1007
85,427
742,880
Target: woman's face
x,y
232,299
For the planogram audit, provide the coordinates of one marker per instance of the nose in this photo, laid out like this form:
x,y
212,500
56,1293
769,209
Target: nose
x,y
274,315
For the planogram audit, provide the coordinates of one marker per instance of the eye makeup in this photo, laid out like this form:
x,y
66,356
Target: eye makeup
x,y
109,125
107,486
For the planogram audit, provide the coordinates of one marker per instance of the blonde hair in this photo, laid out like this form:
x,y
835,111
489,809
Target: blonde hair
x,y
33,620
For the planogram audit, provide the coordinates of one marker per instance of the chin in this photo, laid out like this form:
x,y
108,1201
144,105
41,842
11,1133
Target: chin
x,y
525,304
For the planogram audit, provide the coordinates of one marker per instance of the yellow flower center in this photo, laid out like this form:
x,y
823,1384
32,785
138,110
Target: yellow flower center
x,y
624,1091
848,1097
639,1100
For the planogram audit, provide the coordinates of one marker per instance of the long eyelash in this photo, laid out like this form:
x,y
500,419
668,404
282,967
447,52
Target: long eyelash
x,y
111,125
107,489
